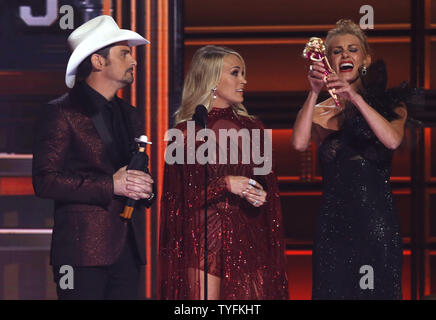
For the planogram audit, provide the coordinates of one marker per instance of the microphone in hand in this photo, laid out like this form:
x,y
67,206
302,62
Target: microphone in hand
x,y
139,162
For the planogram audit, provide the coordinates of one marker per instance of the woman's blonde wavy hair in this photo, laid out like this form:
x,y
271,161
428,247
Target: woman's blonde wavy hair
x,y
203,75
346,26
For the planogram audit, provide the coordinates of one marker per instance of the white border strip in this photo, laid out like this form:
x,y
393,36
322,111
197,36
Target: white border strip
x,y
25,231
15,156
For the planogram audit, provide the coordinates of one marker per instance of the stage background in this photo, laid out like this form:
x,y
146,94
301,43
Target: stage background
x,y
270,36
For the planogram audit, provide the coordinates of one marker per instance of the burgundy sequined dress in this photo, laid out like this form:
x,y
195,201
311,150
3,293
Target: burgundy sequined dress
x,y
245,243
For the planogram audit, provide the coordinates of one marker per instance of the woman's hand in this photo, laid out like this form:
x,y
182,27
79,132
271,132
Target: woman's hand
x,y
247,188
341,87
316,76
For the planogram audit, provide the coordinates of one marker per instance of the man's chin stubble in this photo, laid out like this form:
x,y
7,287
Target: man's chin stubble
x,y
127,82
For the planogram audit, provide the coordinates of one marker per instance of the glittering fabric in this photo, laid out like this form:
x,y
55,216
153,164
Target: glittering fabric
x,y
73,167
358,222
245,243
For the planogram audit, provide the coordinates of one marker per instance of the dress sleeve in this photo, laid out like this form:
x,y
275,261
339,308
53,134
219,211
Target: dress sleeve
x,y
190,179
193,175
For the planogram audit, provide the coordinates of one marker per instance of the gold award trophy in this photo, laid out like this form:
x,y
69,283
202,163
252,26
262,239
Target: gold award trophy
x,y
315,51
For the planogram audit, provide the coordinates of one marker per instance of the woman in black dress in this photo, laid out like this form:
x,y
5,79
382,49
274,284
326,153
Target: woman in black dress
x,y
357,249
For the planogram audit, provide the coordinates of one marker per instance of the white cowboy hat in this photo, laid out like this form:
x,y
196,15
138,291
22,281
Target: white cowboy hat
x,y
92,36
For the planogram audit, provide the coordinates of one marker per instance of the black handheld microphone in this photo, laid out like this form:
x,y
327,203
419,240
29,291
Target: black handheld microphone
x,y
200,116
139,161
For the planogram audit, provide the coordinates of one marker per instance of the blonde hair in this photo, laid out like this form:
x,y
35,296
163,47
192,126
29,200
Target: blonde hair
x,y
203,75
346,26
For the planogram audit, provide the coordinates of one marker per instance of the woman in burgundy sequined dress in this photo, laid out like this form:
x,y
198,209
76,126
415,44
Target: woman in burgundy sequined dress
x,y
245,242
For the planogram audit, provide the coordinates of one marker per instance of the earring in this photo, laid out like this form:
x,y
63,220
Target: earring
x,y
214,92
363,71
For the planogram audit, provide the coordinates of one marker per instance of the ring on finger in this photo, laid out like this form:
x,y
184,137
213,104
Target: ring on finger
x,y
252,182
310,68
255,202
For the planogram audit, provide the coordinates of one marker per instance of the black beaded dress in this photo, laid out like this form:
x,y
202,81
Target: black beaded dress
x,y
358,233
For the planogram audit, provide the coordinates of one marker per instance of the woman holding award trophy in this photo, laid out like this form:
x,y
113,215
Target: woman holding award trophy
x,y
357,249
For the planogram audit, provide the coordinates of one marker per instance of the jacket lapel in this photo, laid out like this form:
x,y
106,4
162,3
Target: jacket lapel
x,y
128,118
99,123
107,138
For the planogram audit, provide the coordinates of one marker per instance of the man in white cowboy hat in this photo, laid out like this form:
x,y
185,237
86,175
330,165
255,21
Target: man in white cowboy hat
x,y
82,146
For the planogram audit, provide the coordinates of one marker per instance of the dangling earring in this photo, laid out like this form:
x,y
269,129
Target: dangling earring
x,y
363,71
214,92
